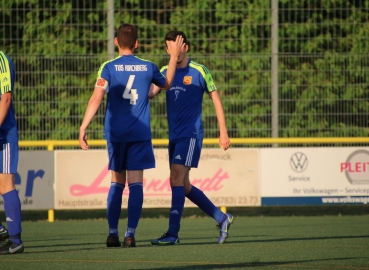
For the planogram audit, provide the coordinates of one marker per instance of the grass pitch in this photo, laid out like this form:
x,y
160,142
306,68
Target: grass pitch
x,y
324,242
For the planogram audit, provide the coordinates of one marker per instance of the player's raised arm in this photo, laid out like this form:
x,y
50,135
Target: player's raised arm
x,y
174,48
223,137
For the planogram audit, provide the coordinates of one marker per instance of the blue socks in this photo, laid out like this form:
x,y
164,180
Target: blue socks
x,y
114,207
13,213
135,202
178,200
199,198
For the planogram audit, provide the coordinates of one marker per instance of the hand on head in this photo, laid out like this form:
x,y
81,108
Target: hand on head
x,y
174,48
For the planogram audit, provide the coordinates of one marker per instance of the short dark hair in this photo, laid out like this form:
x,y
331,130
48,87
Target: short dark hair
x,y
127,36
172,35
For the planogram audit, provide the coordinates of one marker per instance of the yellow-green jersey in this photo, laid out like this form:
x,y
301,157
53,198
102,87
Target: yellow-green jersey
x,y
8,129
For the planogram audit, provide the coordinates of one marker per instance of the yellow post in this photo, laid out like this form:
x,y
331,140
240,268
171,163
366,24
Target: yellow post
x,y
223,209
51,215
50,147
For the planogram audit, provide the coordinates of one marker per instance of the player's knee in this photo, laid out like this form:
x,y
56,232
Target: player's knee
x,y
174,181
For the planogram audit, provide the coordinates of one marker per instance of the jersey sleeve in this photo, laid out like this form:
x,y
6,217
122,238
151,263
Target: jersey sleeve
x,y
158,77
164,70
208,79
103,78
6,74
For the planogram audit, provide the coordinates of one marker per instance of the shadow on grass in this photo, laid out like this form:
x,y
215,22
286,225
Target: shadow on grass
x,y
188,242
69,245
249,264
233,241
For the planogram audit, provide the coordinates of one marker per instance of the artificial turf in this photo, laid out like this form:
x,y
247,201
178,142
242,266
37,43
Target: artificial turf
x,y
294,242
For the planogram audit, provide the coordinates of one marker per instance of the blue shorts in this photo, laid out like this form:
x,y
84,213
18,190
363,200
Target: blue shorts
x,y
9,157
131,156
185,151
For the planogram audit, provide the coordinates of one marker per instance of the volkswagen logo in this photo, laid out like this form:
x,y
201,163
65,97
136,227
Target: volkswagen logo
x,y
299,162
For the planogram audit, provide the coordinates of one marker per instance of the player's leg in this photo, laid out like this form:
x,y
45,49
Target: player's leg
x,y
12,205
140,156
114,207
114,200
180,156
177,175
198,197
135,202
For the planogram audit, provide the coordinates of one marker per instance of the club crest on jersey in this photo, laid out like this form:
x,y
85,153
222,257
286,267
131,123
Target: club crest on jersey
x,y
100,82
187,80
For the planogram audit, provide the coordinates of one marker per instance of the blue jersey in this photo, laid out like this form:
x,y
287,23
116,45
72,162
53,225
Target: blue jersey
x,y
8,130
127,80
184,100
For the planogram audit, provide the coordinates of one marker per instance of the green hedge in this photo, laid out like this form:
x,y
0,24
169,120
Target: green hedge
x,y
57,47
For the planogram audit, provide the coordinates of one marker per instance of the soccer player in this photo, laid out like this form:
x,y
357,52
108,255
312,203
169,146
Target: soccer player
x,y
9,160
126,80
184,112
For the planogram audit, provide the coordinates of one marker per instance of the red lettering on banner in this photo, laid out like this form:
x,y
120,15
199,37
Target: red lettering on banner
x,y
154,184
151,187
212,184
80,190
343,166
357,167
157,185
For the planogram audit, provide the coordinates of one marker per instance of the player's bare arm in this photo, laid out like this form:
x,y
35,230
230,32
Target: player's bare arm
x,y
174,48
154,90
92,107
224,141
6,100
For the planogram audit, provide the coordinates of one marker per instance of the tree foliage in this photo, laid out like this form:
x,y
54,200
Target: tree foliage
x,y
323,67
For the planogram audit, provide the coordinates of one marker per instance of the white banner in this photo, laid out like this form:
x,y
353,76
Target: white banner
x,y
228,178
34,180
314,175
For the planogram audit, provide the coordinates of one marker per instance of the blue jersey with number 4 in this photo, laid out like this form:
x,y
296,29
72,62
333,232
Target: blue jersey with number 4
x,y
127,80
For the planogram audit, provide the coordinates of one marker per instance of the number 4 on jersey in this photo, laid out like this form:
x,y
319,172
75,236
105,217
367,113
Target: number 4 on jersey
x,y
130,93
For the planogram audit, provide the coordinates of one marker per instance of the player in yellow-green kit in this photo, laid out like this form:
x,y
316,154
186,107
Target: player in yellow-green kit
x,y
184,112
9,160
